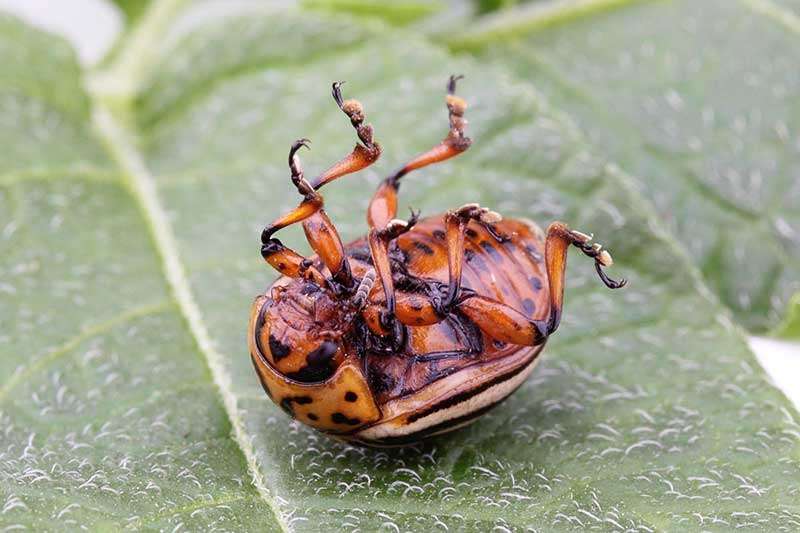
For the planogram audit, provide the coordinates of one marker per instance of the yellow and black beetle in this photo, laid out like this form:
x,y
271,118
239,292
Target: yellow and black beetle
x,y
419,327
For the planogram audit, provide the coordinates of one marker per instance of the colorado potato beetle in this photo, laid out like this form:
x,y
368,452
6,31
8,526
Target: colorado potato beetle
x,y
417,328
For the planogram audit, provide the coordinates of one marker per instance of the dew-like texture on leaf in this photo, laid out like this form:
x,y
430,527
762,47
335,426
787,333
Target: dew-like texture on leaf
x,y
647,411
697,100
108,414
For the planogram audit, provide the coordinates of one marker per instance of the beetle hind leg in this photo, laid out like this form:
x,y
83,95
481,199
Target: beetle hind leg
x,y
455,223
559,239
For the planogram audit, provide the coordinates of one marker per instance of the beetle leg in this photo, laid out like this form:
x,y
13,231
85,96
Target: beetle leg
x,y
320,231
504,323
383,206
379,241
363,155
559,238
290,263
456,222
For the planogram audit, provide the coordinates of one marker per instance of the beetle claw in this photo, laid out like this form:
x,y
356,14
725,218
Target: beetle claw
x,y
610,283
451,83
336,92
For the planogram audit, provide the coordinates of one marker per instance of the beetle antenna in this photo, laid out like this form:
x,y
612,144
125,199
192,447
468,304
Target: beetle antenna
x,y
367,282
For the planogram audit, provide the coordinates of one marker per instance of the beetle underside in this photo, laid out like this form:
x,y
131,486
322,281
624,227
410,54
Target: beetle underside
x,y
418,328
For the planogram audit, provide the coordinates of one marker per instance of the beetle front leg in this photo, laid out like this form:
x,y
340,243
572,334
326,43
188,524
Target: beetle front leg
x,y
290,263
363,155
320,231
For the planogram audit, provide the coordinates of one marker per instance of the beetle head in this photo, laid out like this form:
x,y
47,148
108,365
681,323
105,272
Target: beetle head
x,y
301,330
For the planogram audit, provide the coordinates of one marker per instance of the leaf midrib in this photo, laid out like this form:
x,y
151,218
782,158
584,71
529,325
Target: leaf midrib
x,y
118,141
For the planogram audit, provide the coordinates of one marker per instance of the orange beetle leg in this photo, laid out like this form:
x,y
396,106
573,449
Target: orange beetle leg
x,y
503,322
325,241
320,231
456,222
379,241
410,309
559,238
383,207
362,156
290,263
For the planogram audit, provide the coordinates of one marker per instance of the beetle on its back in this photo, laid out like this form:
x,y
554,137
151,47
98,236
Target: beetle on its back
x,y
419,327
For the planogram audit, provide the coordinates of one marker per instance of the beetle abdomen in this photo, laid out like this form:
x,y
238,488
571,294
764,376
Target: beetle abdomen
x,y
451,402
509,269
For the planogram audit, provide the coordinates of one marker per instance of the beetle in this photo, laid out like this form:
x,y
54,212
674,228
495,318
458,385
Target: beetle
x,y
417,328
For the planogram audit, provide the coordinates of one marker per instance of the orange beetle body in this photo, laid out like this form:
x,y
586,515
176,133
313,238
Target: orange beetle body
x,y
439,377
421,326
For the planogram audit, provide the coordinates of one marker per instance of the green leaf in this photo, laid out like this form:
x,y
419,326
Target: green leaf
x,y
694,99
132,9
108,412
647,410
401,13
790,327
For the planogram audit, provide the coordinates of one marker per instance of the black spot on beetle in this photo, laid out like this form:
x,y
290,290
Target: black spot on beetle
x,y
319,365
491,250
471,233
322,355
278,349
351,396
339,418
312,416
286,403
424,248
536,283
528,306
439,234
533,253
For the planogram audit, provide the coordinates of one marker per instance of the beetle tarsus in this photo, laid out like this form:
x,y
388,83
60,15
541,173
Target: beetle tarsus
x,y
601,258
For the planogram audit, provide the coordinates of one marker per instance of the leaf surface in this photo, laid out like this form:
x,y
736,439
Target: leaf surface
x,y
108,412
647,411
697,101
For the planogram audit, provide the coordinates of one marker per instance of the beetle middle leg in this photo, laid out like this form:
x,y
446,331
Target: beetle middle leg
x,y
383,206
455,223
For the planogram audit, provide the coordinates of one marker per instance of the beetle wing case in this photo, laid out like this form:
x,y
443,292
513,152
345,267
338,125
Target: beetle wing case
x,y
338,405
